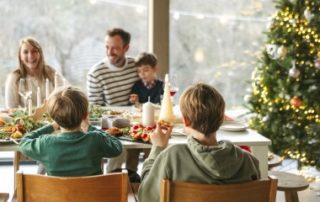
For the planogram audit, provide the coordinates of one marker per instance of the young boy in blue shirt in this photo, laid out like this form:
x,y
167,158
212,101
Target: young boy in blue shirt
x,y
148,85
78,148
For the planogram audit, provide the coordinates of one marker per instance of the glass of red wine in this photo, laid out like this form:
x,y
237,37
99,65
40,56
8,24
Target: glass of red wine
x,y
173,91
173,87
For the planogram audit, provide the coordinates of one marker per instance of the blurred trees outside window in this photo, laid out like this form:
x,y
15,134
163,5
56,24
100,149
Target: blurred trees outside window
x,y
216,42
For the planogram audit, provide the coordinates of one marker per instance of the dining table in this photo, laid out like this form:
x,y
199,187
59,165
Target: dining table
x,y
257,143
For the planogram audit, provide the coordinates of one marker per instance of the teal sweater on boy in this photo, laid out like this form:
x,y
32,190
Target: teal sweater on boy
x,y
70,153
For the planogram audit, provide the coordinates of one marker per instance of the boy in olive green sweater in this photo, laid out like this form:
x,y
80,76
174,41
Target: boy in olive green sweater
x,y
76,150
203,159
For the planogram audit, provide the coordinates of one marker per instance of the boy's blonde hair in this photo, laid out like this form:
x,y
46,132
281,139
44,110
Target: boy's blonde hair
x,y
146,59
67,106
204,107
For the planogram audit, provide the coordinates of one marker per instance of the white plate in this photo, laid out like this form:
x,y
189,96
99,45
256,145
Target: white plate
x,y
233,126
178,131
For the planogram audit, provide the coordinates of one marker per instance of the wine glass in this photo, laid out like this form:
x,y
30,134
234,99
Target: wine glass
x,y
173,86
23,91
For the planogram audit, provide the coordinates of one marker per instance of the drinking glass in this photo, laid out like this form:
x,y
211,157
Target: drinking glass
x,y
96,122
173,86
23,91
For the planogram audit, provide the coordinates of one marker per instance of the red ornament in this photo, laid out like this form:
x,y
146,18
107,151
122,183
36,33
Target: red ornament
x,y
296,102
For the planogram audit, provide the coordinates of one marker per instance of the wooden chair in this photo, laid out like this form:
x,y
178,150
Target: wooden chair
x,y
261,190
4,197
39,188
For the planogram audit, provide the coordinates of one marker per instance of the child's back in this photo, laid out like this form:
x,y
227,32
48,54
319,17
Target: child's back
x,y
71,152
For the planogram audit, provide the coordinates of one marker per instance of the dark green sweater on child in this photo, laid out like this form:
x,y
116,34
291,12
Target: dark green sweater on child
x,y
70,153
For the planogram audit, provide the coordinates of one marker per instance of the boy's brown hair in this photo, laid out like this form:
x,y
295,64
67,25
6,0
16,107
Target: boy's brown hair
x,y
67,106
204,107
146,59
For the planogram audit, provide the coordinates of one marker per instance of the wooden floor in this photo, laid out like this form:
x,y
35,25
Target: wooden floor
x,y
312,194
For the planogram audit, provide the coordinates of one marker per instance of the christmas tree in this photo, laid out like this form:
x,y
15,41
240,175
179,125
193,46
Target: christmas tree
x,y
285,96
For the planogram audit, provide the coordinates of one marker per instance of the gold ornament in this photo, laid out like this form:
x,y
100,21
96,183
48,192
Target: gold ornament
x,y
295,102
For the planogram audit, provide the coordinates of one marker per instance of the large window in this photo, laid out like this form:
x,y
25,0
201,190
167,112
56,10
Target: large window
x,y
217,42
71,32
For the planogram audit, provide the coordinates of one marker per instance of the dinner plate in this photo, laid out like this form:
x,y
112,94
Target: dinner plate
x,y
178,132
5,141
233,126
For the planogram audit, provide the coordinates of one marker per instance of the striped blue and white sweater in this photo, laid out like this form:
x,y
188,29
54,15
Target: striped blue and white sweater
x,y
111,85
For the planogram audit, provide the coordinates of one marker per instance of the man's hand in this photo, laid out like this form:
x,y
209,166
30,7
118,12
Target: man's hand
x,y
160,137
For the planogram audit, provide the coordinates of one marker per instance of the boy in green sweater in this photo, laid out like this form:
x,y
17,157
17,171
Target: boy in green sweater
x,y
78,148
203,159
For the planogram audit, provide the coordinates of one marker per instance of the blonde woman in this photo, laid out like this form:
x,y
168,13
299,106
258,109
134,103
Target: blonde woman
x,y
34,72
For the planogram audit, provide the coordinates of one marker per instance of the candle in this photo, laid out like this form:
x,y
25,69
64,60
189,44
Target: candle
x,y
38,97
47,88
29,106
65,82
56,82
148,114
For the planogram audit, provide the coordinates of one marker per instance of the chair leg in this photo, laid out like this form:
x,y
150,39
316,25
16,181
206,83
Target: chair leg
x,y
16,165
291,196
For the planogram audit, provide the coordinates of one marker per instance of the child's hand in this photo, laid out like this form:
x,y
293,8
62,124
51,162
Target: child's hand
x,y
160,137
134,98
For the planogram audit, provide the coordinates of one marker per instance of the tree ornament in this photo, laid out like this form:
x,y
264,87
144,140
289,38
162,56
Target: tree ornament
x,y
269,24
282,51
247,98
294,72
312,88
295,102
308,15
317,63
272,51
265,118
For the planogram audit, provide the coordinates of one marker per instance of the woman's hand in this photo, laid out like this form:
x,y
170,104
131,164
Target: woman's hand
x,y
160,137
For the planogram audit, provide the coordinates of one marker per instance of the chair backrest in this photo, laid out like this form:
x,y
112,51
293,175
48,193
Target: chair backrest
x,y
263,190
39,188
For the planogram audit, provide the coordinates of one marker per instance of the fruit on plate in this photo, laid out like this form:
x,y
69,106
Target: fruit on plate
x,y
19,127
114,131
16,135
139,132
2,122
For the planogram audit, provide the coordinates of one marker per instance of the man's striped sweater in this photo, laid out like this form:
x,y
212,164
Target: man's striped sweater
x,y
111,85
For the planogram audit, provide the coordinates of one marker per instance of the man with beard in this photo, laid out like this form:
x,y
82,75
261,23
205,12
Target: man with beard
x,y
109,83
